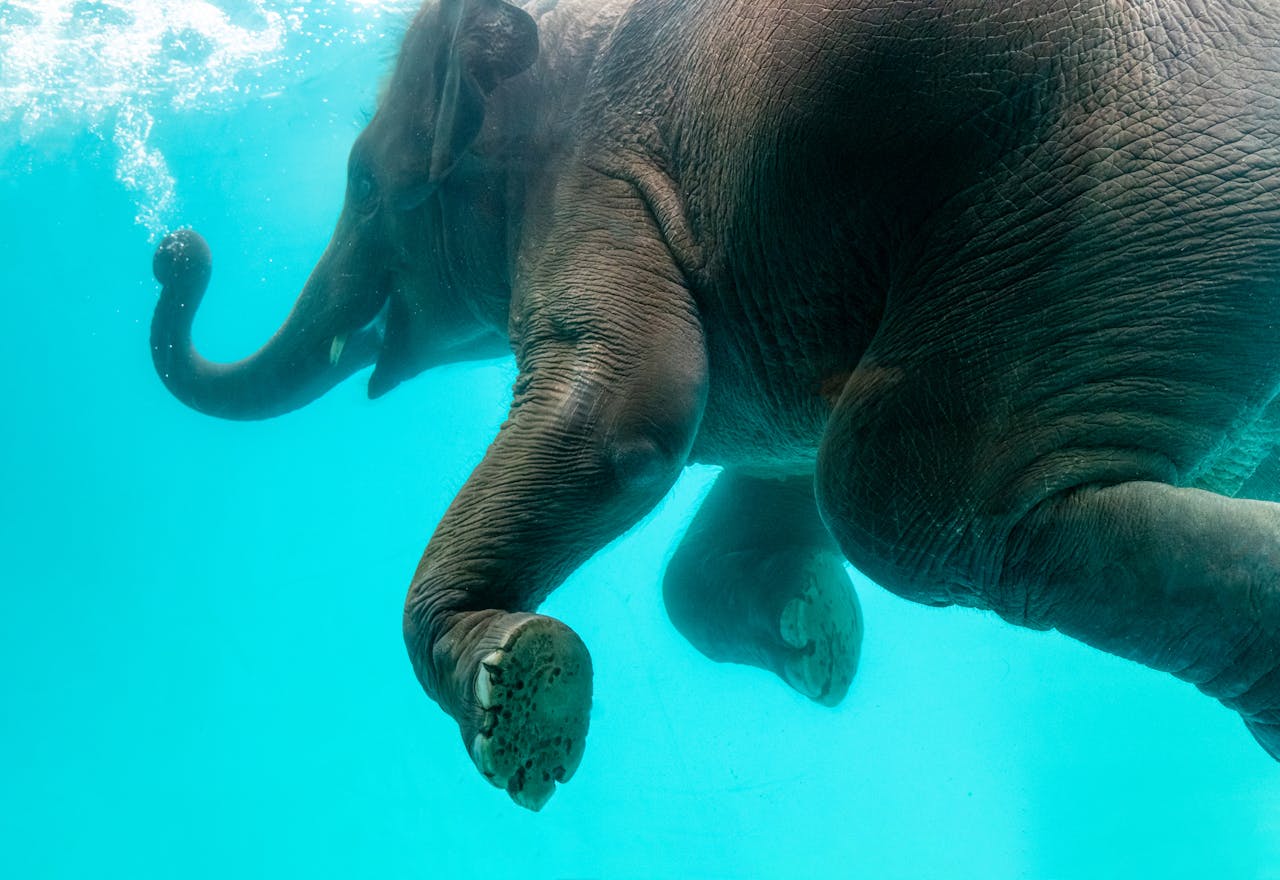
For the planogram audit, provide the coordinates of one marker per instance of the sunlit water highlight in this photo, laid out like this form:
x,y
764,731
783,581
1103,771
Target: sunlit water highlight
x,y
109,66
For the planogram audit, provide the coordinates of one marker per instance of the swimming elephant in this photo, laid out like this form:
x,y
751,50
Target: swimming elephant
x,y
980,295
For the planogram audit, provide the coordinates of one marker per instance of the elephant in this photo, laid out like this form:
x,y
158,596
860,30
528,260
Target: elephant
x,y
978,296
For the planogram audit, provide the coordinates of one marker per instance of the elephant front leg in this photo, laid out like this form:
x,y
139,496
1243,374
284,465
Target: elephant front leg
x,y
607,403
757,579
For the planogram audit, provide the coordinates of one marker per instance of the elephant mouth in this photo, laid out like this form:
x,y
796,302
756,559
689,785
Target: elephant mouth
x,y
370,336
379,341
383,341
394,360
399,348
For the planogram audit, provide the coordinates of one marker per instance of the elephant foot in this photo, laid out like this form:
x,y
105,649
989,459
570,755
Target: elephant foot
x,y
791,611
533,696
821,628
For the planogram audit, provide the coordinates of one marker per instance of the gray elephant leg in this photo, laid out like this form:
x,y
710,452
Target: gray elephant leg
x,y
757,579
608,400
1179,579
1249,466
1264,483
1061,519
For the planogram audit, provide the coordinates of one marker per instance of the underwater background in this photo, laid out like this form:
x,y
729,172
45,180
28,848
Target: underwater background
x,y
201,668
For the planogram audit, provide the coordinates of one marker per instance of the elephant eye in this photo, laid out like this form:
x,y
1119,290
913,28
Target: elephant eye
x,y
362,191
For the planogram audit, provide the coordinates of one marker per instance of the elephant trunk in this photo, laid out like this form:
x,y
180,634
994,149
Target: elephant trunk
x,y
312,351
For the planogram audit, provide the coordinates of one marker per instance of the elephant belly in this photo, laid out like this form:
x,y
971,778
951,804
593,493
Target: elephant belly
x,y
1103,274
742,432
773,384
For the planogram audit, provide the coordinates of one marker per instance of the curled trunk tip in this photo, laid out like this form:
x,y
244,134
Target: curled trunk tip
x,y
182,257
311,352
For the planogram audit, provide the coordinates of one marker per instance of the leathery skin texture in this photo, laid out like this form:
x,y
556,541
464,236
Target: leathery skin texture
x,y
978,296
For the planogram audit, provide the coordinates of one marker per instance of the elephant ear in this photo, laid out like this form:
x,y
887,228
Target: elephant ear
x,y
487,41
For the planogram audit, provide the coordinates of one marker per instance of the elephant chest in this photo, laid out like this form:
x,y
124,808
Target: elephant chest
x,y
779,351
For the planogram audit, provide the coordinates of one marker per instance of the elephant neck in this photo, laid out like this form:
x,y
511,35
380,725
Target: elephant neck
x,y
572,35
542,107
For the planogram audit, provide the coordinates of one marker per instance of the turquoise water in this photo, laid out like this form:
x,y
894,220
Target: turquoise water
x,y
200,636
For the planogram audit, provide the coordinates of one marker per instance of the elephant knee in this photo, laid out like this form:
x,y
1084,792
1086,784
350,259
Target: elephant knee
x,y
892,528
941,542
626,439
640,465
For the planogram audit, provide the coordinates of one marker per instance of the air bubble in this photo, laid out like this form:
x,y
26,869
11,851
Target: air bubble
x,y
114,69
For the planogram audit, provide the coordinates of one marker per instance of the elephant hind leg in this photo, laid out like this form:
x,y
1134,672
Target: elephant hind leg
x,y
1250,466
1093,541
1267,735
758,580
1178,579
1264,483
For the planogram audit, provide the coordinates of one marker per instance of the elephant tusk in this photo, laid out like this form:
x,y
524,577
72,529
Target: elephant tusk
x,y
335,348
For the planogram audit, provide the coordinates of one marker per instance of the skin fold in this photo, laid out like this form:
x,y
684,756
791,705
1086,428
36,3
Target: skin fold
x,y
979,296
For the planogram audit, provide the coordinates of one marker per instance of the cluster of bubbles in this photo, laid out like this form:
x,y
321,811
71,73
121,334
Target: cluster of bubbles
x,y
109,67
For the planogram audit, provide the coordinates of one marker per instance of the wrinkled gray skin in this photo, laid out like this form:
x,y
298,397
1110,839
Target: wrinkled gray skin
x,y
996,281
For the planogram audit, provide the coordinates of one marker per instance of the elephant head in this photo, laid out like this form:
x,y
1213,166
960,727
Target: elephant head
x,y
416,273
